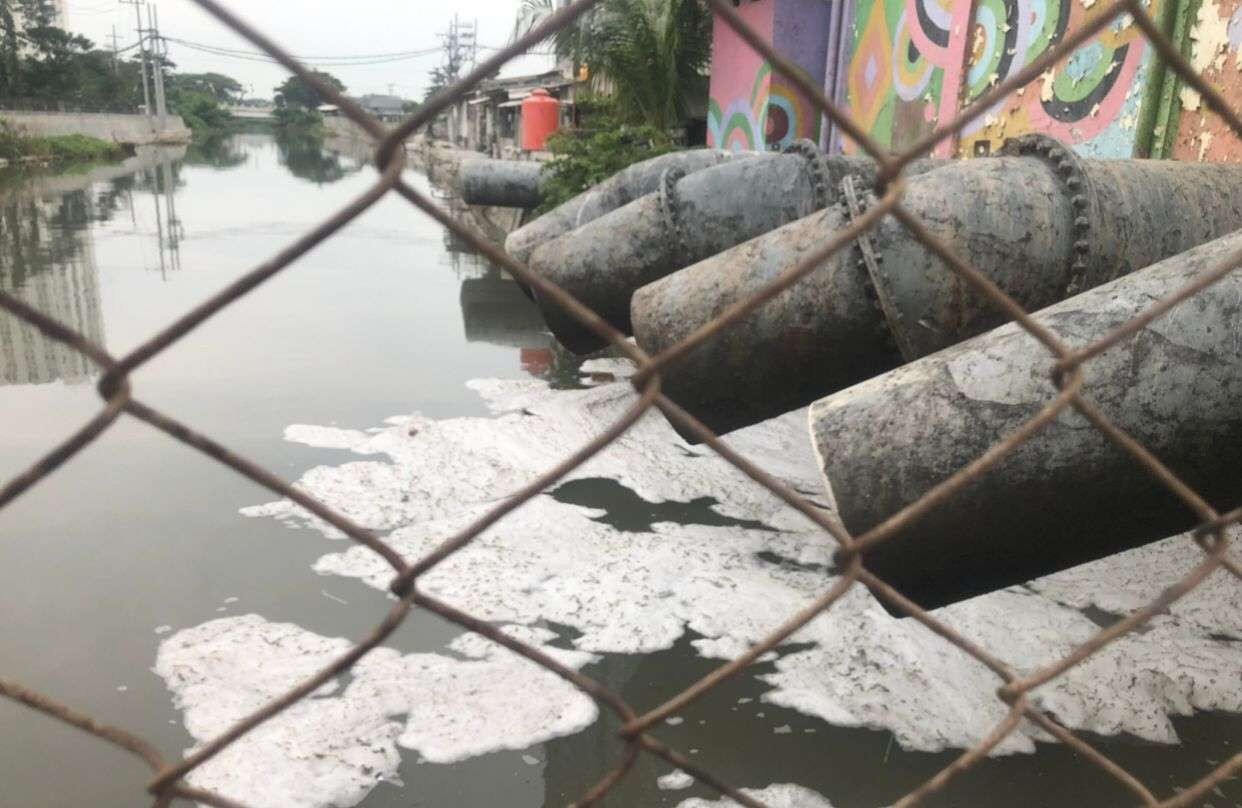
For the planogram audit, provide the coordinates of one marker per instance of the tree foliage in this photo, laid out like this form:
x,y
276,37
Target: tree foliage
x,y
224,89
45,66
601,147
649,55
297,93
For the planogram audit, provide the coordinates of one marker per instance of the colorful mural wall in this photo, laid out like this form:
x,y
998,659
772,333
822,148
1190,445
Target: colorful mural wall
x,y
900,68
1092,100
916,63
750,106
905,67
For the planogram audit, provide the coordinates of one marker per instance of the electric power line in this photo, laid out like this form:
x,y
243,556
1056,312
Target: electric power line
x,y
326,61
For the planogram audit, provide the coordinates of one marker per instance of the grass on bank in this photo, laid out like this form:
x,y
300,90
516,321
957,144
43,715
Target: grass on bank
x,y
17,148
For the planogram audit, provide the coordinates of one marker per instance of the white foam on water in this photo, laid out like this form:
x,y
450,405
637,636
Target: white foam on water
x,y
332,748
325,437
674,781
640,592
781,795
619,366
1134,577
451,464
867,669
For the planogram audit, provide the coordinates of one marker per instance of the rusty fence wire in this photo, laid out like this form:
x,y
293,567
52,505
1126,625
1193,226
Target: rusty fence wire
x,y
635,738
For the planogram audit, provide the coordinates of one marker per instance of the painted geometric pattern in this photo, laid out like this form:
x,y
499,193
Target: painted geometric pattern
x,y
1091,100
740,125
905,67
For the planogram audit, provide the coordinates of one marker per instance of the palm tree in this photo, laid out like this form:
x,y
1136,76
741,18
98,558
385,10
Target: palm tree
x,y
648,55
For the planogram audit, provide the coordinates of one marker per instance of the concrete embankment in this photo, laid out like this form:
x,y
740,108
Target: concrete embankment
x,y
134,130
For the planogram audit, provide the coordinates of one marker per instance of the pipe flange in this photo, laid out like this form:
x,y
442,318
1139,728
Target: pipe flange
x,y
670,206
854,205
821,182
1070,171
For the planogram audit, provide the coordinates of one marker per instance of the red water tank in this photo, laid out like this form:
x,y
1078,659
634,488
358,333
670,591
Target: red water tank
x,y
541,116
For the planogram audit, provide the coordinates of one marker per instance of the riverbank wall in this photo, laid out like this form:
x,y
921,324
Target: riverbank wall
x,y
133,130
440,161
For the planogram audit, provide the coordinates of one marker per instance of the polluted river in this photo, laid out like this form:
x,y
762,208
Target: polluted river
x,y
412,387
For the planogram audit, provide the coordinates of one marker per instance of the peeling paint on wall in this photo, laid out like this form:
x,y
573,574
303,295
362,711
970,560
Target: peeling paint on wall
x,y
1215,39
1090,100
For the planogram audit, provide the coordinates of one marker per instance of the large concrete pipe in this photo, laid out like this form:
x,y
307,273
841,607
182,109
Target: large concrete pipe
x,y
1069,494
688,219
503,183
1042,226
619,189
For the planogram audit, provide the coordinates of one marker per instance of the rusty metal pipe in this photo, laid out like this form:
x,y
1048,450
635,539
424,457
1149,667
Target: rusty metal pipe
x,y
689,218
1040,222
502,183
1069,494
619,189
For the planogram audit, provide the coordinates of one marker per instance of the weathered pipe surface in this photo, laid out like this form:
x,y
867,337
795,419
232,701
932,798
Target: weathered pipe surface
x,y
1068,495
685,221
503,183
619,189
1040,231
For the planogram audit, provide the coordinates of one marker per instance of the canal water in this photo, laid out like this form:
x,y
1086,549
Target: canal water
x,y
411,385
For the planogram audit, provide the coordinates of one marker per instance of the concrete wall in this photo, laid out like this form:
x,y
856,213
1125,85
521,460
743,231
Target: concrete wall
x,y
133,129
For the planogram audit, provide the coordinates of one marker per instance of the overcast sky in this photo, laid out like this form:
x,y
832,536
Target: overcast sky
x,y
315,28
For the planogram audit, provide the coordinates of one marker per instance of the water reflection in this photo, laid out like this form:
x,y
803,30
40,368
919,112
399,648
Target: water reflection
x,y
305,157
163,182
496,310
218,151
50,264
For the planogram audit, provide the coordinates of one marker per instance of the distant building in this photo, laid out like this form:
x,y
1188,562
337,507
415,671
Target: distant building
x,y
388,108
489,118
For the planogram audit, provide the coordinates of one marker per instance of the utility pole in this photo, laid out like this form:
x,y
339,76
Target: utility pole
x,y
115,49
460,45
157,47
142,48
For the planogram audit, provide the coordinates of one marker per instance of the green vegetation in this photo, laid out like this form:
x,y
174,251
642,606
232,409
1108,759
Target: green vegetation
x,y
603,145
16,147
651,56
297,102
45,67
201,112
297,93
297,118
647,63
202,99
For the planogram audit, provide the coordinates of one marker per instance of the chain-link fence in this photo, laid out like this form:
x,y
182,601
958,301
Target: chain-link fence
x,y
1065,392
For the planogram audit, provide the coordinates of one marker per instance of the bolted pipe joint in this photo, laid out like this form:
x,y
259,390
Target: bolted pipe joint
x,y
687,219
627,184
1037,221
